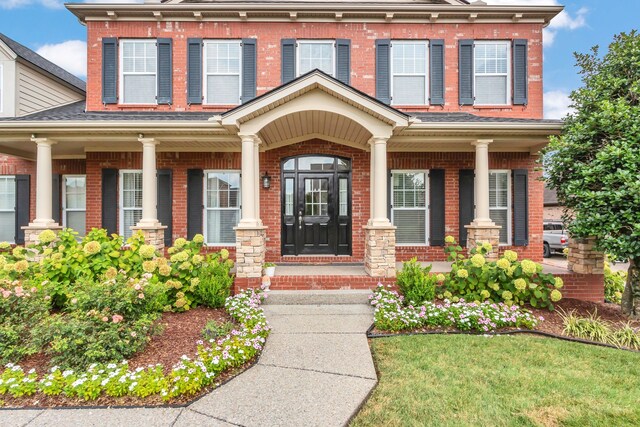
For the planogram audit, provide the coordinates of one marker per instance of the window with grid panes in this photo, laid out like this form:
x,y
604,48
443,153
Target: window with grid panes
x,y
139,67
409,72
222,206
409,206
74,203
499,203
130,200
492,72
222,62
7,208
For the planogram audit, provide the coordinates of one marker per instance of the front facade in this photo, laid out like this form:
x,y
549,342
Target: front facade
x,y
299,132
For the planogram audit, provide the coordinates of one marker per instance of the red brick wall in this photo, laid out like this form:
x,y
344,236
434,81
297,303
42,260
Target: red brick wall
x,y
10,165
362,35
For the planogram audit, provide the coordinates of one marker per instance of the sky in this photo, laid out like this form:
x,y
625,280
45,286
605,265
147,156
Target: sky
x,y
48,28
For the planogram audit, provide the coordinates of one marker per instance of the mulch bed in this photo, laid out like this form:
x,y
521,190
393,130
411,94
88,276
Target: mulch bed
x,y
181,331
552,323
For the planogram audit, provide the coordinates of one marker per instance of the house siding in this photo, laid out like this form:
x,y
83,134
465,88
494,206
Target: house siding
x,y
362,36
37,92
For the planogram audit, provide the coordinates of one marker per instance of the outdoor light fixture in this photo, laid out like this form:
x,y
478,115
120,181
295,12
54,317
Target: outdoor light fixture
x,y
266,180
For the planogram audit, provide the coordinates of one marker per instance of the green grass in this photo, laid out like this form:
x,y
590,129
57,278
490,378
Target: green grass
x,y
457,380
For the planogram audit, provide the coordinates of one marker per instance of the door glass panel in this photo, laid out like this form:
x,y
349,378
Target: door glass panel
x,y
316,163
288,196
343,197
316,197
289,165
343,165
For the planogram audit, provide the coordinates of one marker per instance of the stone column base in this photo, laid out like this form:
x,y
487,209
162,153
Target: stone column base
x,y
583,258
153,235
251,248
380,251
479,234
32,231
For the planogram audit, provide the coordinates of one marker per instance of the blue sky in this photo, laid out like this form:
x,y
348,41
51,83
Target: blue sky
x,y
45,26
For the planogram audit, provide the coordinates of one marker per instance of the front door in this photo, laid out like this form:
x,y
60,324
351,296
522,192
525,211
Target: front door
x,y
316,206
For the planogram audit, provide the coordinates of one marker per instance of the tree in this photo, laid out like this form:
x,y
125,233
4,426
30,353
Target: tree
x,y
594,164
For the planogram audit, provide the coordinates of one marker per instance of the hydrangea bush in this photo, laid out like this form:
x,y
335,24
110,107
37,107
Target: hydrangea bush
x,y
392,314
506,280
187,377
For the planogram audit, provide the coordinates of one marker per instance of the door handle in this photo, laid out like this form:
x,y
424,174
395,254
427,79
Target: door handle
x,y
300,220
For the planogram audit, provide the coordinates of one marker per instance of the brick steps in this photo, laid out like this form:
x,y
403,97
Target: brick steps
x,y
318,297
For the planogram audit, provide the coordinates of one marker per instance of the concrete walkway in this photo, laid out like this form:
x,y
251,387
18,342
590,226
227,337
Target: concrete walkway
x,y
316,370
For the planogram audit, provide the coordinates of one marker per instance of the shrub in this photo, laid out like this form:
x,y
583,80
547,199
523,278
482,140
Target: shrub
x,y
214,282
20,312
614,283
506,280
391,314
415,282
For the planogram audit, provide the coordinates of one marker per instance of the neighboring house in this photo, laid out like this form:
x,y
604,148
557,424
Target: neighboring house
x,y
28,84
301,131
552,209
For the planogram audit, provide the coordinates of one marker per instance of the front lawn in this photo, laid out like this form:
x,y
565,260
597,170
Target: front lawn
x,y
453,380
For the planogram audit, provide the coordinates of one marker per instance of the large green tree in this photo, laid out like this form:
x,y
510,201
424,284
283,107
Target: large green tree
x,y
594,165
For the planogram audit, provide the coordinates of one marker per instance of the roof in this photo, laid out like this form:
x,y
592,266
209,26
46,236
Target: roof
x,y
33,58
433,117
76,112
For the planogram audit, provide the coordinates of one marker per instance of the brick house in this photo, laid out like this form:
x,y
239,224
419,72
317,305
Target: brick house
x,y
356,132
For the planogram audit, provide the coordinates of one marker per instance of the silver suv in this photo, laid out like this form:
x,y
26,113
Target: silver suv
x,y
555,238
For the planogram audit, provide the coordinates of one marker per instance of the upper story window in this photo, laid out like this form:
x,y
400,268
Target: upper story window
x,y
409,72
318,54
222,68
492,72
138,63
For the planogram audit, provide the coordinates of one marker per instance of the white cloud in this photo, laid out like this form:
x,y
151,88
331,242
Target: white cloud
x,y
53,4
70,55
556,104
564,20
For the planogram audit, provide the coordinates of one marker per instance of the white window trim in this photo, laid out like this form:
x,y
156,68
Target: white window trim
x,y
509,71
426,76
121,207
509,207
64,200
426,205
205,73
205,208
14,205
122,73
314,41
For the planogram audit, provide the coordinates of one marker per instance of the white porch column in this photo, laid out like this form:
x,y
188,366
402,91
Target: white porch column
x,y
44,210
482,182
248,182
149,183
380,202
372,173
256,178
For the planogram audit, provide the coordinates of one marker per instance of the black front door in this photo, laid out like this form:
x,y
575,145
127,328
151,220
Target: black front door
x,y
316,206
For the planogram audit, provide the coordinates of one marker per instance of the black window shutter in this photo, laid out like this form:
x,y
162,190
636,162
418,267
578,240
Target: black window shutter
x,y
109,70
55,197
436,79
165,71
288,58
343,60
436,207
165,203
194,202
194,71
249,69
466,189
521,207
383,70
23,206
110,200
520,76
465,72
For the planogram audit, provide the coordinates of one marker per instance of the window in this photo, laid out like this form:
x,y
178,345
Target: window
x,y
1,89
318,54
500,203
409,206
222,65
222,206
74,199
492,79
130,200
7,208
138,63
409,72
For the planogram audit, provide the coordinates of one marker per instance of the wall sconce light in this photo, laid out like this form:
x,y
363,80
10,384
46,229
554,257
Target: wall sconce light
x,y
266,180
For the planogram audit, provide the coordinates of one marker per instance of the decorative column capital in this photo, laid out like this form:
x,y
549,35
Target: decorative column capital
x,y
43,141
480,143
148,141
378,140
249,137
